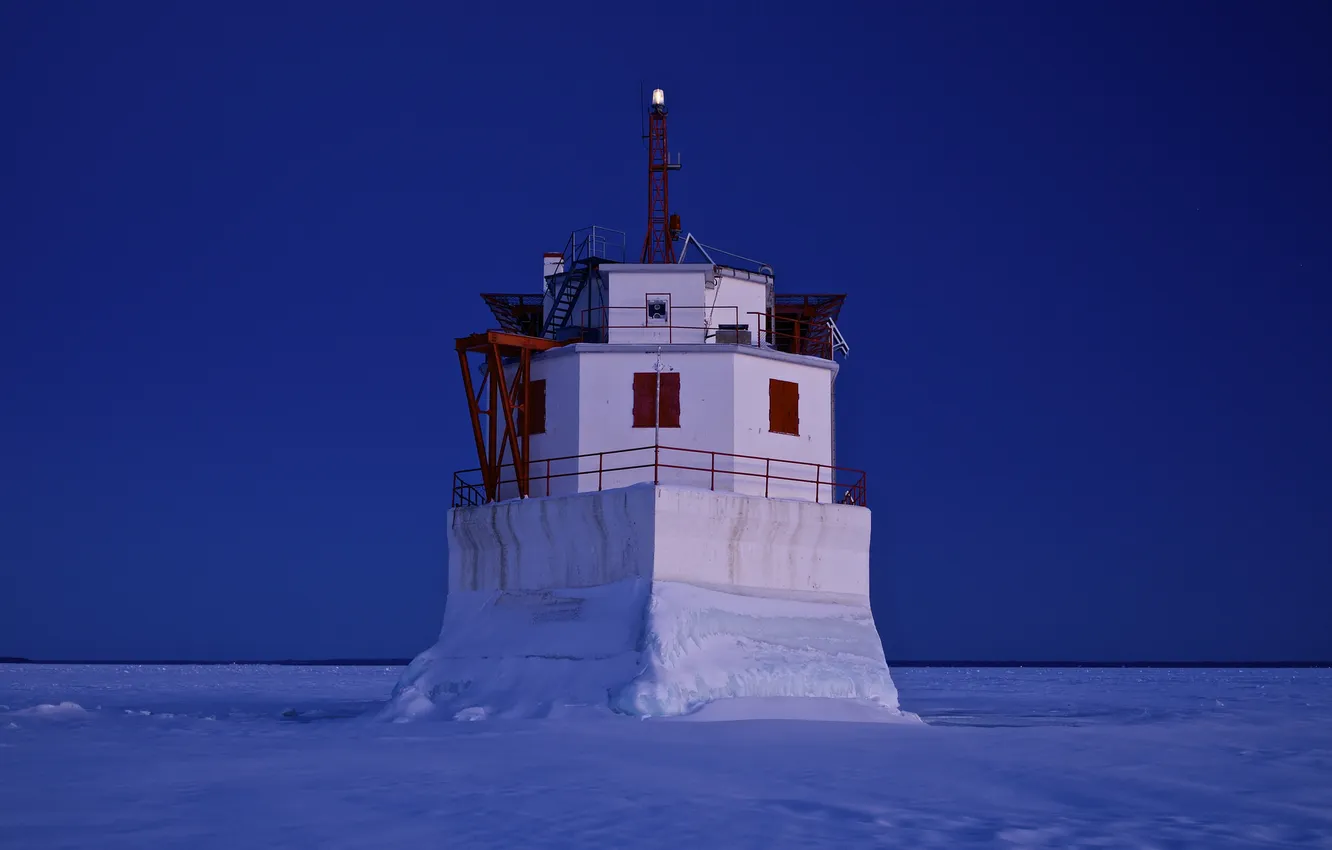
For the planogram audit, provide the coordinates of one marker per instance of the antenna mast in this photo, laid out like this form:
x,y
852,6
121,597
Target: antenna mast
x,y
663,228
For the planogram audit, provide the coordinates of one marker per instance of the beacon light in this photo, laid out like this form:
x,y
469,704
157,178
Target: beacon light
x,y
658,97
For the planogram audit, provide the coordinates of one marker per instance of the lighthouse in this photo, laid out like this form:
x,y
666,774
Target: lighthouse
x,y
656,522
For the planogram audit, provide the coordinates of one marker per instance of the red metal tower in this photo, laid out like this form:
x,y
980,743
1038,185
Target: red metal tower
x,y
659,244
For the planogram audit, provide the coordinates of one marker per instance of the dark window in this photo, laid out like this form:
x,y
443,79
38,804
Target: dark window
x,y
645,399
783,407
536,401
529,320
786,334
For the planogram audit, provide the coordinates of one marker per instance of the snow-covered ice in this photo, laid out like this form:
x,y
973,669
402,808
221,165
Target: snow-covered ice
x,y
227,757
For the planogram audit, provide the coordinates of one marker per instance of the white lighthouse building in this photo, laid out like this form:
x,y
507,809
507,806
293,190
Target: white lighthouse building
x,y
658,524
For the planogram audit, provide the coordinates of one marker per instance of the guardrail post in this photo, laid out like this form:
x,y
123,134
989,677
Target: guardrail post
x,y
656,464
601,462
767,472
713,484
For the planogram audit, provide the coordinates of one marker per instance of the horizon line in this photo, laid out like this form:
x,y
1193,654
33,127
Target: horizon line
x,y
403,662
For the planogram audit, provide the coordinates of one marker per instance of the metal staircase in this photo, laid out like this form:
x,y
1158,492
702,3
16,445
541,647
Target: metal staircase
x,y
586,250
570,286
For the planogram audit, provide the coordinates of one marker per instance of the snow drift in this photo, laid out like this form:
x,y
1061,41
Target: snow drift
x,y
640,648
702,645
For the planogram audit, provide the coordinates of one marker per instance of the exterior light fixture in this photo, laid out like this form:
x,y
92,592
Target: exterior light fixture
x,y
658,98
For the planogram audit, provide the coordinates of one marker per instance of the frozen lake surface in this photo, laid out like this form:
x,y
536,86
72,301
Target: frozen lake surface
x,y
204,757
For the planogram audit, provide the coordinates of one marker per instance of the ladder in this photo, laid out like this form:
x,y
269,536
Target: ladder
x,y
572,285
584,252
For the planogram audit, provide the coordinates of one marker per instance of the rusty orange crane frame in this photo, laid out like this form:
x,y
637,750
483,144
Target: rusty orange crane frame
x,y
508,402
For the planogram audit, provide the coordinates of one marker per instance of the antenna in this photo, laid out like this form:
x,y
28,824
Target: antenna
x,y
663,228
642,116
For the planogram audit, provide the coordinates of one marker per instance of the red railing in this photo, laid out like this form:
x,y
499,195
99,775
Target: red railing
x,y
765,330
831,484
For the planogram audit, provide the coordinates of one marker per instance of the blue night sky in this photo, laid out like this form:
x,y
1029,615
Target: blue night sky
x,y
1087,248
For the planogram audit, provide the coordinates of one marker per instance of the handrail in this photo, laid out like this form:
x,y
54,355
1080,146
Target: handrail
x,y
854,491
807,336
599,318
595,242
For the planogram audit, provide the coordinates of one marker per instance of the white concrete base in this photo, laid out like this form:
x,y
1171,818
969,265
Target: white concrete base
x,y
663,532
651,601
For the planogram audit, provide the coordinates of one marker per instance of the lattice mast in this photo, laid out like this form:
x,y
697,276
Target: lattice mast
x,y
663,227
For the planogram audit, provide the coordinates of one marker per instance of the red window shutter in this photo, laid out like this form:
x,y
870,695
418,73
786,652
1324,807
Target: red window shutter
x,y
645,399
670,399
783,407
536,400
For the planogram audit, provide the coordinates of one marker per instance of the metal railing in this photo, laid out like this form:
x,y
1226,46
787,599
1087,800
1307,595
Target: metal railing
x,y
736,473
700,320
594,242
721,257
777,331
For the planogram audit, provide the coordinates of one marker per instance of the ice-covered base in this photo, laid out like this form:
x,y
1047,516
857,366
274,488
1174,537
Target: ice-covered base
x,y
650,649
525,653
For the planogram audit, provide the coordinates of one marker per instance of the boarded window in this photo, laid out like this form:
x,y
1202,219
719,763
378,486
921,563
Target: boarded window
x,y
645,399
783,407
670,399
536,402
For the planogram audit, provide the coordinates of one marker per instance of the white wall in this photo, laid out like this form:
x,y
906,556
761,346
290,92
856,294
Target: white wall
x,y
735,301
626,297
724,407
561,437
606,407
752,437
696,311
